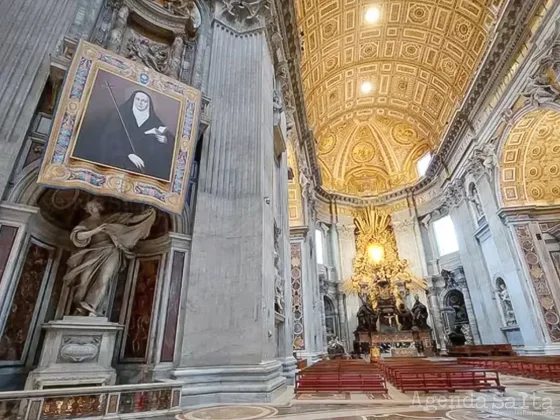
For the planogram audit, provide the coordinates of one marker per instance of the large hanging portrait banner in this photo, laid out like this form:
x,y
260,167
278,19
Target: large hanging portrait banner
x,y
124,130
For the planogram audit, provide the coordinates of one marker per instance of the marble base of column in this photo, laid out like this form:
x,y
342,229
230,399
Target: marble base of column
x,y
260,383
552,350
311,357
289,368
532,351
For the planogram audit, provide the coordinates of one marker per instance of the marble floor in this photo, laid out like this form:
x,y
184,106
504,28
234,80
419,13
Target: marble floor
x,y
523,399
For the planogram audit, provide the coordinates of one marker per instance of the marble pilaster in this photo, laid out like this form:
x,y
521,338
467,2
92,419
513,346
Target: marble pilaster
x,y
347,247
476,275
31,31
512,271
229,347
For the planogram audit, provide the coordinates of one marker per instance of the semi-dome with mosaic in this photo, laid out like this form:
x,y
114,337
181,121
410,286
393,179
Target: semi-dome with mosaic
x,y
382,78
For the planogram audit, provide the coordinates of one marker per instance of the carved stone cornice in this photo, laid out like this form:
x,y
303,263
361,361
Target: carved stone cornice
x,y
243,15
402,226
155,17
454,193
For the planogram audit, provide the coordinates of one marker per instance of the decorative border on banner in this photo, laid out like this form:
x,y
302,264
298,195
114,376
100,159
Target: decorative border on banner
x,y
59,170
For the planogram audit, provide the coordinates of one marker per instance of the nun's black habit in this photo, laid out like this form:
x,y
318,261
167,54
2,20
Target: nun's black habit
x,y
105,141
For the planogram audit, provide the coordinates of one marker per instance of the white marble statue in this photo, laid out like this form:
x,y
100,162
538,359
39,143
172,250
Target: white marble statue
x,y
507,306
104,243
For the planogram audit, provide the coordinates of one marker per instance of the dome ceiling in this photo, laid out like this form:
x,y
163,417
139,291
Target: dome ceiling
x,y
417,60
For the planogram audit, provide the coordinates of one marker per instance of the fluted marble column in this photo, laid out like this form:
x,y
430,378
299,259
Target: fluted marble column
x,y
30,31
229,345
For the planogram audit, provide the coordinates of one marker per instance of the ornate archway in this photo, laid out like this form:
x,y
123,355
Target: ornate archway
x,y
530,160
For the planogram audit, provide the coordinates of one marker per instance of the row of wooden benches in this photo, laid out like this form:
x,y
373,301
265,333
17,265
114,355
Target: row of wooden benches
x,y
424,375
537,367
340,376
484,350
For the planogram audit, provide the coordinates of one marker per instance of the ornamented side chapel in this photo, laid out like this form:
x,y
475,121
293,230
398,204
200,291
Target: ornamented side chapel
x,y
200,198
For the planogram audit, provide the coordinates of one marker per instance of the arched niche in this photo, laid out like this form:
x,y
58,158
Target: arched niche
x,y
66,206
456,300
530,159
331,319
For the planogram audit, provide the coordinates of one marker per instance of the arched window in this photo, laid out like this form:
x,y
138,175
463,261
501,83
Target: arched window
x,y
445,236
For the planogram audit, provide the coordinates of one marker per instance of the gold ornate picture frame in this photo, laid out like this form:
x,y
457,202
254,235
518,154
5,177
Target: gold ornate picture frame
x,y
122,129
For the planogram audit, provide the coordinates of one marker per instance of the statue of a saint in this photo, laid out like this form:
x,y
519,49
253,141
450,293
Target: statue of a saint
x,y
104,243
507,305
420,314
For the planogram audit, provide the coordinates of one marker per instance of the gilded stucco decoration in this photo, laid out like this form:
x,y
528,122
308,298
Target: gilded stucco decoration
x,y
295,199
385,274
369,156
530,161
419,58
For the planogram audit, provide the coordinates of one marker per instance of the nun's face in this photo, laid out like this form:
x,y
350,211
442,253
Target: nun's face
x,y
141,101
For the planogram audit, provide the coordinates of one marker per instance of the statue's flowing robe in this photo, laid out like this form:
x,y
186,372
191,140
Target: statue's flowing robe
x,y
122,232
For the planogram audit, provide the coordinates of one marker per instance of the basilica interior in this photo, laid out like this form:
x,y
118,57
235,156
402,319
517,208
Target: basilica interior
x,y
356,214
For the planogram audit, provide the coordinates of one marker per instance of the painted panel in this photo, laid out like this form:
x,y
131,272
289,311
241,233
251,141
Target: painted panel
x,y
138,333
170,333
20,318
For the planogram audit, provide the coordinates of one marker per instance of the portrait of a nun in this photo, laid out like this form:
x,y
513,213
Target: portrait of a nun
x,y
130,136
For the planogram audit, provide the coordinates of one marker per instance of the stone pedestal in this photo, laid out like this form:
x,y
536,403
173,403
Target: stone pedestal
x,y
77,351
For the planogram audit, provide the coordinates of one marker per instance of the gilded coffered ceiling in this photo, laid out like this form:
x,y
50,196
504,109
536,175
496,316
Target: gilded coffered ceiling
x,y
417,60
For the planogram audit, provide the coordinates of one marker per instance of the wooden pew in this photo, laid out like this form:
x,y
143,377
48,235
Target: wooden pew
x,y
426,375
340,376
536,367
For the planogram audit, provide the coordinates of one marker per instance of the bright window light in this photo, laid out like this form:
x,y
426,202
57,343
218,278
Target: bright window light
x,y
366,87
423,164
445,236
319,246
372,14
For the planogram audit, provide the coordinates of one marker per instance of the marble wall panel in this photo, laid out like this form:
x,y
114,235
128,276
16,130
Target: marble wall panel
x,y
539,282
138,331
21,317
170,333
7,237
297,297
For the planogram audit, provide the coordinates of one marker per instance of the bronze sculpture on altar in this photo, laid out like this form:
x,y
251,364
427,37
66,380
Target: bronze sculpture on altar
x,y
104,244
367,318
404,317
383,282
420,314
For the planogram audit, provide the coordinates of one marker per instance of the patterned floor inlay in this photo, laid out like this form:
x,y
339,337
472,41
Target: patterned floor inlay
x,y
239,412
